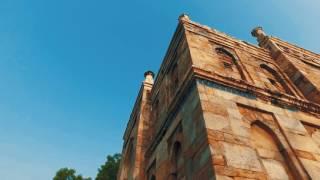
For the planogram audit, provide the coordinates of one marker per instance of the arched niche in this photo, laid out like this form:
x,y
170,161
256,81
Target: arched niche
x,y
176,160
271,152
230,63
175,154
275,81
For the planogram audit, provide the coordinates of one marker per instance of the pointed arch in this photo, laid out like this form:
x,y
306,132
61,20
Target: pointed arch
x,y
275,79
267,129
230,62
177,153
176,159
270,151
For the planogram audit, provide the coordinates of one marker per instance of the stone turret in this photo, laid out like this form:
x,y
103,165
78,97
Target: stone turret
x,y
265,41
149,75
259,34
184,17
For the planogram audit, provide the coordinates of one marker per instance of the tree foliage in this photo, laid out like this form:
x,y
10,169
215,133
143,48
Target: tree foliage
x,y
68,174
109,170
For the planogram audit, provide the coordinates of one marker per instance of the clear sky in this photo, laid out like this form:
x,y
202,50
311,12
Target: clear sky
x,y
70,70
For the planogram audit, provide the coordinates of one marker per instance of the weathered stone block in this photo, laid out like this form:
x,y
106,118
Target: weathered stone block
x,y
241,157
291,124
275,170
219,177
216,122
312,167
304,143
234,112
239,127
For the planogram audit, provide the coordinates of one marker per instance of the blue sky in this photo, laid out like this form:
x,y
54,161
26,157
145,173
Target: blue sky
x,y
70,70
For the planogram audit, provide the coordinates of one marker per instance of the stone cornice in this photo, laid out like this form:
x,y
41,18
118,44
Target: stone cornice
x,y
295,47
133,116
281,99
215,38
225,38
306,58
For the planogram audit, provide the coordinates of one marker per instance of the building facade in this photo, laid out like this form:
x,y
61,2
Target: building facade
x,y
221,108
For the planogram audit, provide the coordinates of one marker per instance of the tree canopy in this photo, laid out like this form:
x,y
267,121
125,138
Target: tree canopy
x,y
109,170
68,174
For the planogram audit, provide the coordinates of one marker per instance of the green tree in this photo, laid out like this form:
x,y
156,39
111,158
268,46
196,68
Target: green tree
x,y
68,174
109,170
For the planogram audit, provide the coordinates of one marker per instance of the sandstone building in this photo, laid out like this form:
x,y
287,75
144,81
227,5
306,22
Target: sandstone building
x,y
221,108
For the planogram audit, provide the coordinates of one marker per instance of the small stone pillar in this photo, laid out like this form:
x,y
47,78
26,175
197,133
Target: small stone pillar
x,y
259,34
184,17
149,75
266,42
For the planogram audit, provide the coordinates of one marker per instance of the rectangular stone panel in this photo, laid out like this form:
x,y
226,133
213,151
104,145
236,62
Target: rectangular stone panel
x,y
216,122
241,157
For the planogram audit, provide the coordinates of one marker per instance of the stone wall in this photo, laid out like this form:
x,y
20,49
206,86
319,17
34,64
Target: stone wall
x,y
187,129
250,138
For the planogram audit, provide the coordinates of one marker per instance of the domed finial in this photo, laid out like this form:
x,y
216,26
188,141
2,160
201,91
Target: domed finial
x,y
184,17
258,33
149,75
